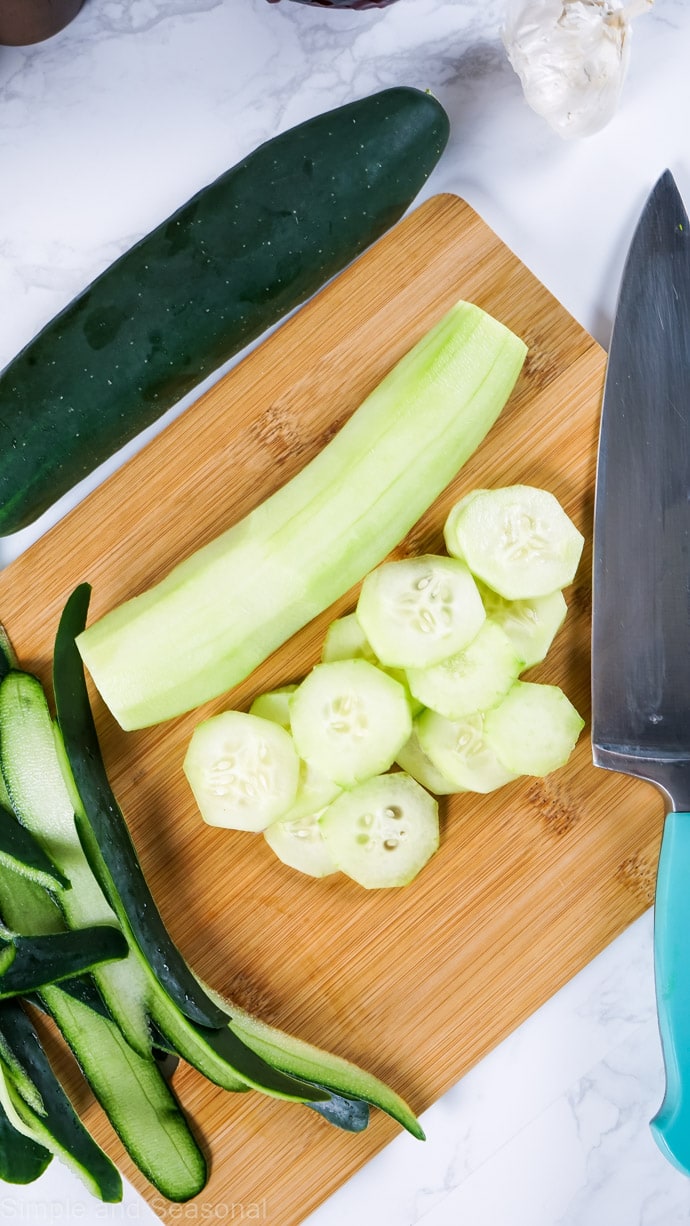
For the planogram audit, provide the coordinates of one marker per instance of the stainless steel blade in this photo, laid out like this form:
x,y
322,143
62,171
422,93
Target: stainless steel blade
x,y
641,612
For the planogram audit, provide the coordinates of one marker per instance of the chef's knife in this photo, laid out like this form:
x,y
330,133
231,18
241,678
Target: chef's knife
x,y
641,613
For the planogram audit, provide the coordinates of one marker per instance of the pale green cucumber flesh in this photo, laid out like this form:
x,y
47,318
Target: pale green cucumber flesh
x,y
460,750
346,640
534,730
415,762
299,843
472,680
344,512
531,625
382,832
517,539
243,770
349,719
417,611
314,789
274,705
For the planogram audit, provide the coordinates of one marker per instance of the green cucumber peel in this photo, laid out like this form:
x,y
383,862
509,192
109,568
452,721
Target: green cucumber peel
x,y
111,854
28,963
58,1129
22,1160
102,827
338,1075
129,1087
19,850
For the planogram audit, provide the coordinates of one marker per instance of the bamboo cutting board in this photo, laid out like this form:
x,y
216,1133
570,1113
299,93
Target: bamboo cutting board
x,y
530,882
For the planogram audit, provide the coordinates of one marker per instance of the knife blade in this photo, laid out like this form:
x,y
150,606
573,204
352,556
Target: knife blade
x,y
641,598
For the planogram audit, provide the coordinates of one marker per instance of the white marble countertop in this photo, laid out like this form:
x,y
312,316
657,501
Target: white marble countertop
x,y
108,127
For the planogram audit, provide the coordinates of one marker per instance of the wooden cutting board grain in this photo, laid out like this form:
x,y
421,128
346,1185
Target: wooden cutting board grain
x,y
530,882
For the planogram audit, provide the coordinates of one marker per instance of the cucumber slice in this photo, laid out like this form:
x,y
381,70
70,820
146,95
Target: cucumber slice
x,y
300,844
532,625
346,640
417,611
382,833
314,789
415,762
473,680
517,539
534,730
274,705
243,770
349,719
459,749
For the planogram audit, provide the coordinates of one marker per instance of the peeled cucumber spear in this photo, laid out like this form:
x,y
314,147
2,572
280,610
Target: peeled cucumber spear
x,y
237,599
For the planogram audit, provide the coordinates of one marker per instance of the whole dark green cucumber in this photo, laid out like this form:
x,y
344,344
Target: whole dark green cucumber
x,y
231,262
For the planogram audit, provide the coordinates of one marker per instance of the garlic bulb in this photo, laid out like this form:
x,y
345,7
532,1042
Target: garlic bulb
x,y
571,57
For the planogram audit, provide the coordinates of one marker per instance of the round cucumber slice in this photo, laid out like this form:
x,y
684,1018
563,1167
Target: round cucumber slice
x,y
534,730
459,749
383,832
300,844
517,539
243,770
416,763
349,719
472,680
417,611
532,625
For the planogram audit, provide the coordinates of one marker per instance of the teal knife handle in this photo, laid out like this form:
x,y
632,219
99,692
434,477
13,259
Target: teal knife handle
x,y
671,1125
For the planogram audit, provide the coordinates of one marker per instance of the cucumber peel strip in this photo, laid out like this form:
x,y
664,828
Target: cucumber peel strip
x,y
111,854
22,1160
59,1128
335,1073
21,852
116,867
131,1089
28,963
